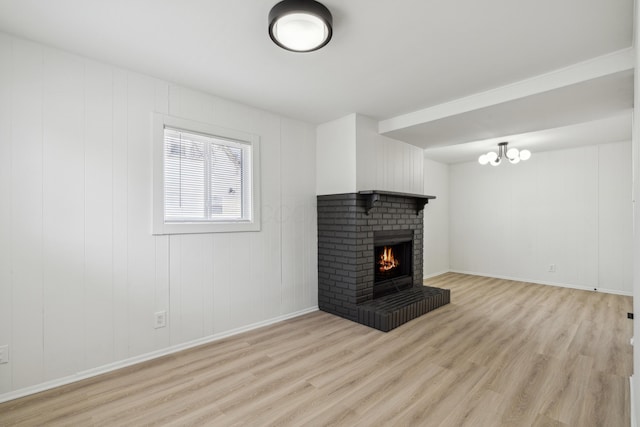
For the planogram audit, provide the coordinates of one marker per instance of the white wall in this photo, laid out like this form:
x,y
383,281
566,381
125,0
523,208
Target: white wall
x,y
384,163
336,156
635,398
352,156
436,219
570,208
80,273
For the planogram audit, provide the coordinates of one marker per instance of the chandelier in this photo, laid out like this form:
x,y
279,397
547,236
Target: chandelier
x,y
512,154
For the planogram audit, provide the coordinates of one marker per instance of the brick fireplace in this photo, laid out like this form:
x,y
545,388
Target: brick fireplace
x,y
354,230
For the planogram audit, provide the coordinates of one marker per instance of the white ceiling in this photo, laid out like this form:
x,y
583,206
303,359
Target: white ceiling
x,y
611,129
386,59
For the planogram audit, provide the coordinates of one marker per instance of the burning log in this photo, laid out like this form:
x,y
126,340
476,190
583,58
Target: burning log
x,y
387,260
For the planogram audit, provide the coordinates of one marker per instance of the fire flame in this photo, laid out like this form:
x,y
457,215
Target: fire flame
x,y
387,260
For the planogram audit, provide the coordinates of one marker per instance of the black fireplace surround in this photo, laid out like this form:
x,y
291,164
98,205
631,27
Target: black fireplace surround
x,y
353,231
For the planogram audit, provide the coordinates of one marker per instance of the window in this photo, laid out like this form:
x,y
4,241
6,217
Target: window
x,y
204,178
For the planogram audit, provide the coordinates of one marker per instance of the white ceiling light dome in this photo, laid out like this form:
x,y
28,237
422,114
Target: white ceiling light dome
x,y
300,25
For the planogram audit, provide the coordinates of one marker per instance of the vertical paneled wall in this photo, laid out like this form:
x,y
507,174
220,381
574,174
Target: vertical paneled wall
x,y
384,163
81,276
567,208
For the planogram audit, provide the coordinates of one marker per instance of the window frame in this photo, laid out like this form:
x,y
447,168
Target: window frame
x,y
159,226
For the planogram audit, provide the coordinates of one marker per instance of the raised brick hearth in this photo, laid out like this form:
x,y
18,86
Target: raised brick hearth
x,y
347,224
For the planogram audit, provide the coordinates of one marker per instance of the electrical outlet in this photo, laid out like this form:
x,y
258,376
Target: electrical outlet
x,y
552,268
160,319
4,354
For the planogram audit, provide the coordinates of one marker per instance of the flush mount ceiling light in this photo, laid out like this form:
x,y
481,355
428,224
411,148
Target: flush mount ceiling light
x,y
300,25
512,154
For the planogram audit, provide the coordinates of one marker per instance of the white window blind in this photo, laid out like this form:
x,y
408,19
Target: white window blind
x,y
206,178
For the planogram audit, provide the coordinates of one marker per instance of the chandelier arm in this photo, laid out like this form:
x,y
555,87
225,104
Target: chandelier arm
x,y
502,148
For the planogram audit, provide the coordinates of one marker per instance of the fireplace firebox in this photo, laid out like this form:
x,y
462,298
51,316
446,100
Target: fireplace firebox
x,y
392,262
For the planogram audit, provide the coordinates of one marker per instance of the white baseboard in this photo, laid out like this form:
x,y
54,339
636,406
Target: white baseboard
x,y
541,282
429,276
145,357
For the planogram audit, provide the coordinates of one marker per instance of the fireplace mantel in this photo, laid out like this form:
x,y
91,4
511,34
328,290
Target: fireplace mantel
x,y
373,196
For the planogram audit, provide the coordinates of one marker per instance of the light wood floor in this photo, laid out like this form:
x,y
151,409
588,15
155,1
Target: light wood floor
x,y
501,354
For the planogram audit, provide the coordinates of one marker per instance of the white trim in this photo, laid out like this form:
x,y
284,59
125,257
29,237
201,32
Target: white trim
x,y
541,282
146,357
430,276
632,405
158,225
621,60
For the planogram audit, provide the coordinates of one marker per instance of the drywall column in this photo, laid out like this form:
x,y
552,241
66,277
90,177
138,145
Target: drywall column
x,y
436,219
336,156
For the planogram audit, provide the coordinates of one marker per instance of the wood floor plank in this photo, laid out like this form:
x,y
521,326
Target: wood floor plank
x,y
479,410
503,353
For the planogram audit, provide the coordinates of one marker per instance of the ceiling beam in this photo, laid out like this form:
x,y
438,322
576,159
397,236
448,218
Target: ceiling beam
x,y
601,66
